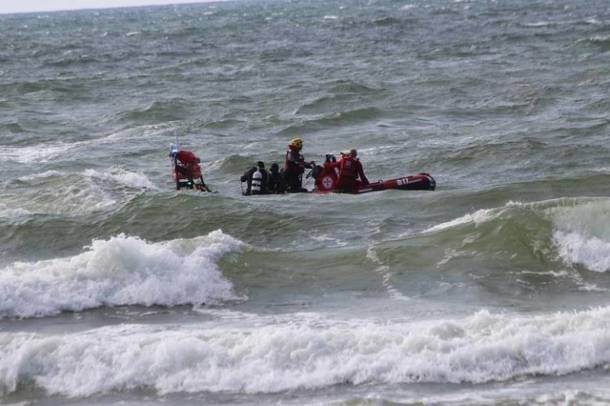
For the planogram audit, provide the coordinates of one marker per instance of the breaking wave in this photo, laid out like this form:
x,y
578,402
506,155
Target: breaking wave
x,y
270,354
122,177
582,236
76,194
571,230
119,271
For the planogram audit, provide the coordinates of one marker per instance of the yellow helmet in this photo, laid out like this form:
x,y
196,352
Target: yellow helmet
x,y
296,143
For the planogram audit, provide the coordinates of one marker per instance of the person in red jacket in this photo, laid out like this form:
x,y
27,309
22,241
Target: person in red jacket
x,y
351,174
187,171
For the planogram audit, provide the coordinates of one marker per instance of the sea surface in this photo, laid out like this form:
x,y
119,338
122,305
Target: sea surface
x,y
493,289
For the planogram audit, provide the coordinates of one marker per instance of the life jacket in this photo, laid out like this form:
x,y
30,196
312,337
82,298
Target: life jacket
x,y
257,182
348,174
294,161
348,168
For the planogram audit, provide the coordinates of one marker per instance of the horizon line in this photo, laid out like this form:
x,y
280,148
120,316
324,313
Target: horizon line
x,y
101,7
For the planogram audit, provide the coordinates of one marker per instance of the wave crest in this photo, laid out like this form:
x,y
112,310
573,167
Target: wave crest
x,y
565,229
119,271
582,236
270,354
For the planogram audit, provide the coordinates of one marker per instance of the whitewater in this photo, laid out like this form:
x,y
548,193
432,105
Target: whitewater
x,y
492,289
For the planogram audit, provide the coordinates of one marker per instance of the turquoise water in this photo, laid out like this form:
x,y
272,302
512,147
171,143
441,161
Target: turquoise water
x,y
491,289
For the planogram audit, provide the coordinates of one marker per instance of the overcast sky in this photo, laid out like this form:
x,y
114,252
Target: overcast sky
x,y
18,6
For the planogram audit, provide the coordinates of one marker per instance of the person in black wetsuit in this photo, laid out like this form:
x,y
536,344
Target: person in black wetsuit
x,y
276,180
256,179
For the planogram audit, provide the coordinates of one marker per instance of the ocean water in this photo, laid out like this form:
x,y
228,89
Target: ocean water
x,y
493,289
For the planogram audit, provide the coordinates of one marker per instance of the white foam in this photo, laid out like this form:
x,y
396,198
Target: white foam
x,y
600,38
281,353
329,240
71,196
120,271
580,230
53,151
582,235
135,137
80,193
36,153
41,175
384,271
602,169
539,24
592,252
122,177
7,212
478,217
593,21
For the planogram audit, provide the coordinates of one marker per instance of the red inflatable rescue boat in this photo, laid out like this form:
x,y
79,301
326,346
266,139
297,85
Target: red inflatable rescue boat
x,y
326,181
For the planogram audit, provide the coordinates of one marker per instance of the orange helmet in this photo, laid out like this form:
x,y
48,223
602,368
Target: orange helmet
x,y
296,143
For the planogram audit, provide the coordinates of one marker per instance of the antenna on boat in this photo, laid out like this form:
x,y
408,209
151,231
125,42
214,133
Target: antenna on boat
x,y
174,147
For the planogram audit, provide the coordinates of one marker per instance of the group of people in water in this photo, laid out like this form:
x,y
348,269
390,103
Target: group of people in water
x,y
348,170
260,182
347,173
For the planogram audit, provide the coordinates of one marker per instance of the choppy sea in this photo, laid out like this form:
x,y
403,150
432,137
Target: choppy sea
x,y
493,289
